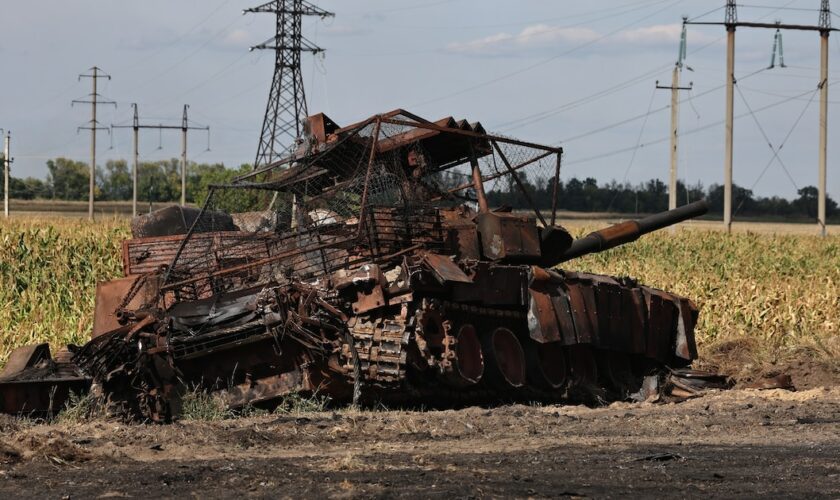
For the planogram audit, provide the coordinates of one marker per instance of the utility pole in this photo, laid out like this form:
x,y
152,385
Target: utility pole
x,y
824,28
94,99
135,125
184,128
286,108
7,162
730,23
825,25
675,118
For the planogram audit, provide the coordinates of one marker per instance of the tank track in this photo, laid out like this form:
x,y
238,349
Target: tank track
x,y
390,342
380,343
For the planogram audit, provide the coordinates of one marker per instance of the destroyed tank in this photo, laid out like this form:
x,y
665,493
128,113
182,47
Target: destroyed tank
x,y
368,265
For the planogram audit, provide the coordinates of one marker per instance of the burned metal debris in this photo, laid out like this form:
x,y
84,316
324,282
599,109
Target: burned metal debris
x,y
368,265
36,384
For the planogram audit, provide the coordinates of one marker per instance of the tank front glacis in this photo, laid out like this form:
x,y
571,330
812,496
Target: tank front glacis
x,y
369,266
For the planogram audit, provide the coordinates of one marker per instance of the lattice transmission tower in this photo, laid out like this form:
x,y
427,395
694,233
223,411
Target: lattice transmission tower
x,y
286,108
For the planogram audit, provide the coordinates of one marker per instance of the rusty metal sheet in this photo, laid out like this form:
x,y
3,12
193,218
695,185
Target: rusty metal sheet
x,y
634,313
464,241
494,285
601,294
684,345
542,319
564,316
444,269
264,389
588,292
39,397
507,236
619,334
24,357
661,321
368,300
33,384
583,325
110,295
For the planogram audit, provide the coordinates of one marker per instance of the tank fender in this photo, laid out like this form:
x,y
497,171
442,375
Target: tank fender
x,y
546,305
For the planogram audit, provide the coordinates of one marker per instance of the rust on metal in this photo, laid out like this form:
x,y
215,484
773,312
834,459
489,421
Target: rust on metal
x,y
370,266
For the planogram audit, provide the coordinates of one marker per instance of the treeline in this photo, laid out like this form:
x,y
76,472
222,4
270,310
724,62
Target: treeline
x,y
652,196
160,181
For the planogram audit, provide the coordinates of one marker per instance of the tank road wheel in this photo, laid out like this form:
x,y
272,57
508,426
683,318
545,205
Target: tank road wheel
x,y
617,373
584,368
466,366
505,359
546,364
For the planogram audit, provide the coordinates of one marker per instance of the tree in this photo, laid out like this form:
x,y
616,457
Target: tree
x,y
68,179
115,182
159,181
808,203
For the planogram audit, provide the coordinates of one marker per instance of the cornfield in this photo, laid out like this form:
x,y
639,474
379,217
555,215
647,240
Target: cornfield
x,y
48,276
766,298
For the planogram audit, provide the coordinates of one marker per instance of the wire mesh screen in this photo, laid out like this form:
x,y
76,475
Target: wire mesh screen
x,y
369,193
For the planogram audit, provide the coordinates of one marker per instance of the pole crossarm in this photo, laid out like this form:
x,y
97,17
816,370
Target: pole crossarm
x,y
740,24
184,128
303,9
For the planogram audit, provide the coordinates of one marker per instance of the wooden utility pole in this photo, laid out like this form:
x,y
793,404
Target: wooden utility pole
x,y
184,128
94,99
675,119
7,161
824,28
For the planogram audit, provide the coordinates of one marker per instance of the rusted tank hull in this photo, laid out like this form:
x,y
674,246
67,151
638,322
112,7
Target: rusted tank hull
x,y
540,334
360,269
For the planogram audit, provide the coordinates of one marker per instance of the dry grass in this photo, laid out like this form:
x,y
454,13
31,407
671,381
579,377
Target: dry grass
x,y
765,298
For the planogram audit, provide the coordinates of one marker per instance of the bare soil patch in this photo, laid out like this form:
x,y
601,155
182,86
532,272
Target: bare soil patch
x,y
735,443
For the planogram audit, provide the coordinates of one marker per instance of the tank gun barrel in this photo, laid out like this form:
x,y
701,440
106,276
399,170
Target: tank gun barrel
x,y
629,231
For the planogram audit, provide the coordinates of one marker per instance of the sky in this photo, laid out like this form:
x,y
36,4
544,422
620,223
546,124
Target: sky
x,y
577,74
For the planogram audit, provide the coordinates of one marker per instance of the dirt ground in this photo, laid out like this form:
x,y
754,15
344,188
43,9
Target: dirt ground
x,y
739,443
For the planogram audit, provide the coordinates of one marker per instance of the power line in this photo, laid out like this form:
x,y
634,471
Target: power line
x,y
548,60
613,12
409,7
650,112
636,149
685,133
542,115
766,137
184,59
184,128
776,151
181,37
